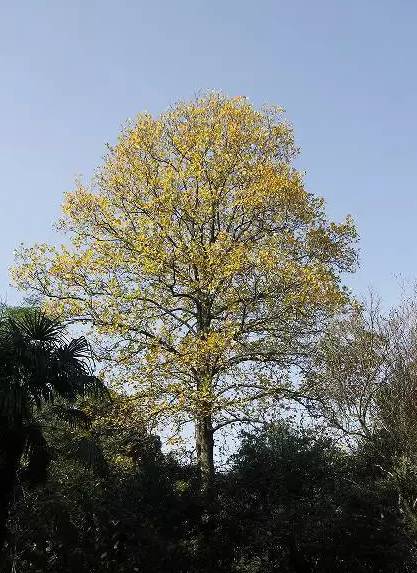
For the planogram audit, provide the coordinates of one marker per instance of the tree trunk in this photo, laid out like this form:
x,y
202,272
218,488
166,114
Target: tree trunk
x,y
205,448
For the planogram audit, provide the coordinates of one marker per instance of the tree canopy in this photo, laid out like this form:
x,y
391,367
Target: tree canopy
x,y
201,260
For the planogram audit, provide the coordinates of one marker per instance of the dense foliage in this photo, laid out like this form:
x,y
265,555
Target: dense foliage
x,y
292,501
39,366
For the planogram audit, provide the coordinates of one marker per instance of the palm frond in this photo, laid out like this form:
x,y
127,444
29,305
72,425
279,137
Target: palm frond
x,y
77,350
37,326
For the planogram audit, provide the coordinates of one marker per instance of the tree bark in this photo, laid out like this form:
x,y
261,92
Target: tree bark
x,y
205,447
205,450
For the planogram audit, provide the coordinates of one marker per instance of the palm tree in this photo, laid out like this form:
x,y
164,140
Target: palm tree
x,y
38,366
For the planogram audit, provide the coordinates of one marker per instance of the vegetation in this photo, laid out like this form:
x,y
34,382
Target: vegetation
x,y
37,367
291,501
202,260
210,281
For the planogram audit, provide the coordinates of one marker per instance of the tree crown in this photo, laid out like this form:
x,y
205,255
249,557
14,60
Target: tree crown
x,y
199,256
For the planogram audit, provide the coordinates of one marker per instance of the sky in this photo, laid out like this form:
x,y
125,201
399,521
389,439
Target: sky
x,y
72,72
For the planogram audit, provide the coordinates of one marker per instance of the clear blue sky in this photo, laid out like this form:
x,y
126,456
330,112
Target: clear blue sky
x,y
73,71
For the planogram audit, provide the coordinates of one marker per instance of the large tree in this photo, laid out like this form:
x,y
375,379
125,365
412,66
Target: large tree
x,y
201,260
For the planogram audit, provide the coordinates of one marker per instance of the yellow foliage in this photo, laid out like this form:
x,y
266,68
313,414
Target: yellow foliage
x,y
198,256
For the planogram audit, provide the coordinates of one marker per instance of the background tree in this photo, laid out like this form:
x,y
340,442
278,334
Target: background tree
x,y
201,260
364,383
37,366
351,366
294,501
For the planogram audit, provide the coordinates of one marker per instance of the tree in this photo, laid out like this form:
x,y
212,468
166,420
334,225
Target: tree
x,y
351,367
363,375
294,501
37,366
201,261
364,384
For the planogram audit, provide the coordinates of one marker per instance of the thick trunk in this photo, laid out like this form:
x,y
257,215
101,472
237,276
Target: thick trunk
x,y
205,448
